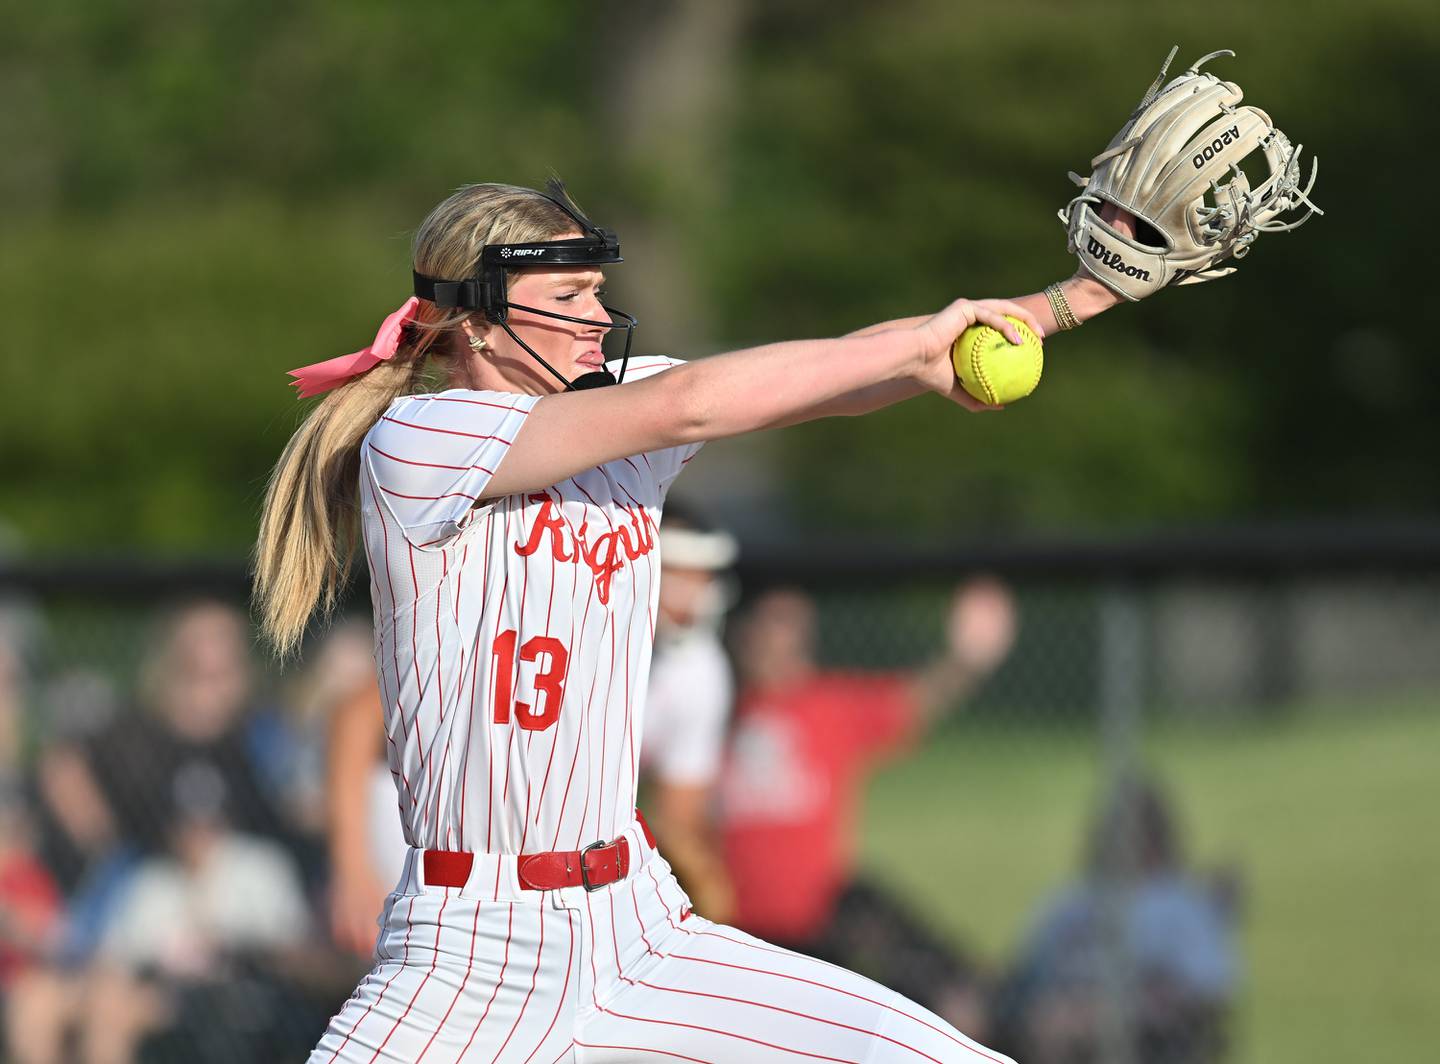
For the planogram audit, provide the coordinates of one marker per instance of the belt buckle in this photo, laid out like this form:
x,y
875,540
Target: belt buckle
x,y
590,888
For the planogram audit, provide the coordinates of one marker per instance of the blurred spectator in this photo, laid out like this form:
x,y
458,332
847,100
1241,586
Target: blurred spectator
x,y
804,742
1170,929
12,701
196,689
215,925
57,1009
29,898
176,926
214,895
688,707
193,958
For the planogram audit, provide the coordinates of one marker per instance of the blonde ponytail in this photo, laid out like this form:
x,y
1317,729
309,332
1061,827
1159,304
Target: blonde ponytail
x,y
309,524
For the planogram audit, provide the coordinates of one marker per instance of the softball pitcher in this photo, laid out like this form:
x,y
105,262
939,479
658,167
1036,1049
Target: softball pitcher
x,y
509,525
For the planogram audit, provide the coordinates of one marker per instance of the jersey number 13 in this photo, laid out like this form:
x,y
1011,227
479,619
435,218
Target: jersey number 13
x,y
549,681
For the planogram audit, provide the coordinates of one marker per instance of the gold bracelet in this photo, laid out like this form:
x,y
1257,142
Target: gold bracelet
x,y
1060,306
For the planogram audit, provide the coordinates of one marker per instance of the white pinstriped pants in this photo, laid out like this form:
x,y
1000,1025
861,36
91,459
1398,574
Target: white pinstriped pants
x,y
490,973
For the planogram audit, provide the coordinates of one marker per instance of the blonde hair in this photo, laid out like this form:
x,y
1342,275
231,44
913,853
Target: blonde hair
x,y
309,523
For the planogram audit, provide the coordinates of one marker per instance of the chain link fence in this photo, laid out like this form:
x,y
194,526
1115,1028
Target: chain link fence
x,y
1184,812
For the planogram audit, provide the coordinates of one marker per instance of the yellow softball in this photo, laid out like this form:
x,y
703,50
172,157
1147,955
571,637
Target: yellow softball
x,y
994,370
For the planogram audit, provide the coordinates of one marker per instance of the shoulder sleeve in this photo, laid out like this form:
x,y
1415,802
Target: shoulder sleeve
x,y
429,457
666,464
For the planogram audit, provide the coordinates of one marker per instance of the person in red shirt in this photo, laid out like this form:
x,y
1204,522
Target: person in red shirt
x,y
804,743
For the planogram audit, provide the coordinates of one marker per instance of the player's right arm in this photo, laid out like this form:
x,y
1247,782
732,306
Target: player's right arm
x,y
1087,298
729,395
356,893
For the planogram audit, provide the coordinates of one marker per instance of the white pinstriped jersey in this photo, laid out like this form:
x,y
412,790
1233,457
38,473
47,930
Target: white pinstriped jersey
x,y
513,639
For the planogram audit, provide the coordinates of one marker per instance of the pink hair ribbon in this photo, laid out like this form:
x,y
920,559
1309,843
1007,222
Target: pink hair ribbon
x,y
333,372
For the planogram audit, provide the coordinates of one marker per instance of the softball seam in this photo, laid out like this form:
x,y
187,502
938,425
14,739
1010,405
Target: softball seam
x,y
977,367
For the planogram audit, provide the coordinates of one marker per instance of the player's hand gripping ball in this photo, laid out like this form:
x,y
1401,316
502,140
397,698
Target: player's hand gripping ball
x,y
994,370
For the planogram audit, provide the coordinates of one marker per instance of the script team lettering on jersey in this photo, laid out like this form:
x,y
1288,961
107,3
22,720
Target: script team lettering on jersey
x,y
606,554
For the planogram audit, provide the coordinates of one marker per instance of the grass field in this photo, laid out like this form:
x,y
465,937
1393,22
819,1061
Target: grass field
x,y
1330,814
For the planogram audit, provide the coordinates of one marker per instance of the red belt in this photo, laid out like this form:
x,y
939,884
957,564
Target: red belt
x,y
597,865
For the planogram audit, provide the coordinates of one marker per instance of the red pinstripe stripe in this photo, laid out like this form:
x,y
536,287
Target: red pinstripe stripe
x,y
459,594
791,1012
469,967
499,981
514,726
582,729
604,736
564,682
534,978
440,693
594,949
626,736
650,871
644,1049
635,902
399,702
415,661
608,624
623,798
439,922
554,737
605,721
563,1052
728,1034
439,789
615,943
430,498
430,465
460,590
476,402
811,982
385,694
629,732
409,926
655,882
560,1004
446,432
470,732
370,976
582,734
490,690
649,569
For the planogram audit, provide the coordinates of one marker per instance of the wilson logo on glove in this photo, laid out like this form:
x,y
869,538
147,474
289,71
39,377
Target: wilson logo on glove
x,y
1200,221
1213,148
1115,262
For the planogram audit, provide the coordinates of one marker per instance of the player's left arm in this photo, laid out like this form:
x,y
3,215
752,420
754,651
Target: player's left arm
x,y
684,823
356,742
685,773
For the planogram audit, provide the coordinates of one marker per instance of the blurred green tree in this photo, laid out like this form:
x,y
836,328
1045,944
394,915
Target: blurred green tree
x,y
198,197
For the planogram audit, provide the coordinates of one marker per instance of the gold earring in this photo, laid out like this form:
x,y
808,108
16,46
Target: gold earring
x,y
477,344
